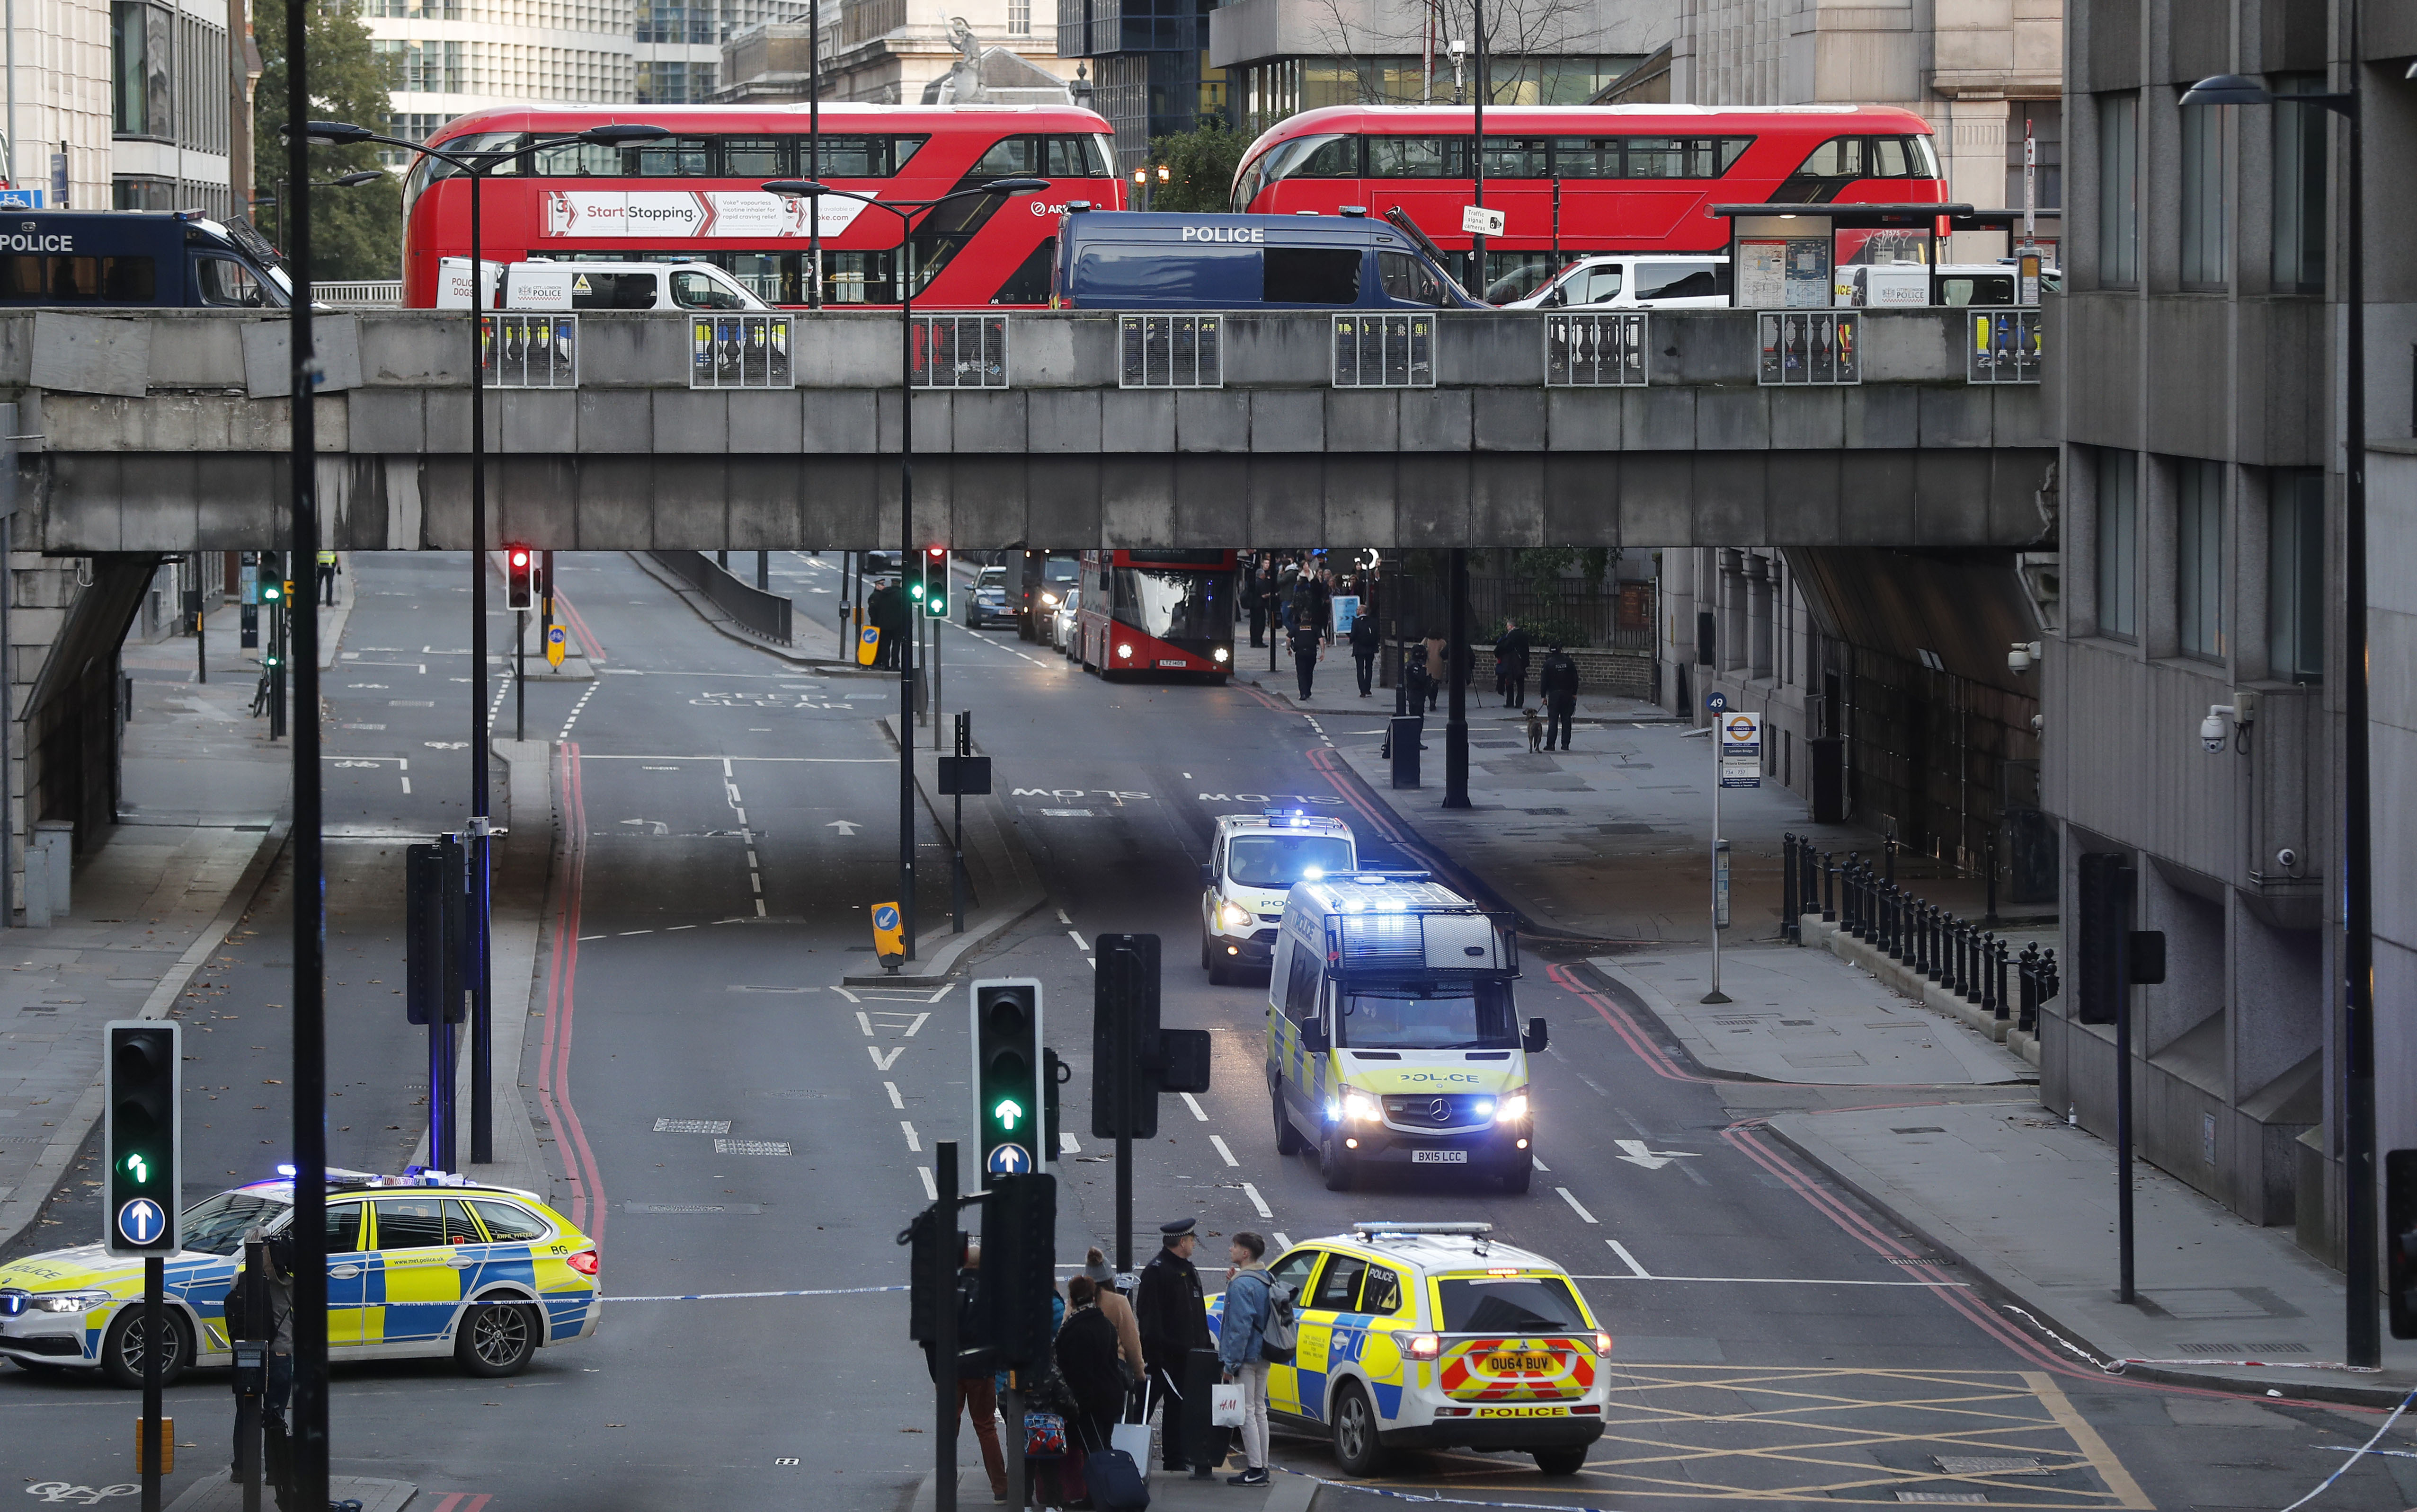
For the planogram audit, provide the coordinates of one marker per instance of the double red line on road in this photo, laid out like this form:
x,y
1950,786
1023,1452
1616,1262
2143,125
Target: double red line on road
x,y
587,1206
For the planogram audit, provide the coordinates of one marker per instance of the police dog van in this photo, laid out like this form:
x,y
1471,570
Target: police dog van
x,y
1392,1035
1430,1336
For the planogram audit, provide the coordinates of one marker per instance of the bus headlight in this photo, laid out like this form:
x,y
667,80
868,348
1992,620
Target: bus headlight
x,y
1220,656
1511,1108
1360,1107
1124,649
1233,916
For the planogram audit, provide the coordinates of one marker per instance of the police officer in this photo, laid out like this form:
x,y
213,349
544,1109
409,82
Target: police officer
x,y
1173,1312
1364,645
1557,681
1304,639
327,570
889,614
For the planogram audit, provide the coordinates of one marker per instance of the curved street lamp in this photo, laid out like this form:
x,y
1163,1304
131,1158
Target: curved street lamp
x,y
478,163
905,211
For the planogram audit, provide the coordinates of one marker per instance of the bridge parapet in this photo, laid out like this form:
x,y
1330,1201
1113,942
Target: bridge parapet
x,y
165,431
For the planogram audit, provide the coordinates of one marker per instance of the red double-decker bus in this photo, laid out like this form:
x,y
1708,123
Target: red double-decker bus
x,y
699,195
1157,612
1577,181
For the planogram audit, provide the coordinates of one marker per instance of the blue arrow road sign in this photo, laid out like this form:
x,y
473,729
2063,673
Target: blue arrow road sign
x,y
884,917
141,1220
1009,1160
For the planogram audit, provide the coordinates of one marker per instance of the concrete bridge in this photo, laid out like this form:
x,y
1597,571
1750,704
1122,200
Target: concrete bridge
x,y
162,432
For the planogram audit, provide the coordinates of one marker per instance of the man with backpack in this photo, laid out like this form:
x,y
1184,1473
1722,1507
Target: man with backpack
x,y
1256,1331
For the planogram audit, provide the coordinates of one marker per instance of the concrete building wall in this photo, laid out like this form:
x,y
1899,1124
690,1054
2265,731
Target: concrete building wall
x,y
2197,401
62,98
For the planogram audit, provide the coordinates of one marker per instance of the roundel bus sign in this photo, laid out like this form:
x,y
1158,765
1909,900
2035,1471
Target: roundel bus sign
x,y
1740,736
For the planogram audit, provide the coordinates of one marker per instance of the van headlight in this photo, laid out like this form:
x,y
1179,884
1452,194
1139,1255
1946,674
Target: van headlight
x,y
1360,1107
1511,1108
1233,917
68,1300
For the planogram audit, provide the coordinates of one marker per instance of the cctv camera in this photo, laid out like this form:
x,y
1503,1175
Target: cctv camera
x,y
2286,858
2019,658
2213,732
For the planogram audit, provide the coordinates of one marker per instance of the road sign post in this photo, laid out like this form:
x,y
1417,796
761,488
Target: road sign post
x,y
888,935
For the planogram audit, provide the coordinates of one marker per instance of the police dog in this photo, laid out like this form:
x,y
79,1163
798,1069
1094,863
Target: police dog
x,y
1535,732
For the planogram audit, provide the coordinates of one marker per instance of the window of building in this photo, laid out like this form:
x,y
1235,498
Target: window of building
x,y
2119,543
2295,576
2202,196
2199,558
2046,118
2118,200
422,68
2299,136
674,84
1019,18
139,84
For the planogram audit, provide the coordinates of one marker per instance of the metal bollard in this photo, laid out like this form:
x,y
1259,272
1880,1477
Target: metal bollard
x,y
2027,974
1993,989
2005,1008
1829,887
1788,884
1973,963
1849,916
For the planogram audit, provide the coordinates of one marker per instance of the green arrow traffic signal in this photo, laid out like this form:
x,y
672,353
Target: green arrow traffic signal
x,y
1007,1112
139,1169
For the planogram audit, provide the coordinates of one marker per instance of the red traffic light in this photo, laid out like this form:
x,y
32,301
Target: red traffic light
x,y
519,591
935,553
520,556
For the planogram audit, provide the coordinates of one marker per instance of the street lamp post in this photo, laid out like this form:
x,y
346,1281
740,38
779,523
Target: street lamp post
x,y
277,201
905,211
2363,1332
477,163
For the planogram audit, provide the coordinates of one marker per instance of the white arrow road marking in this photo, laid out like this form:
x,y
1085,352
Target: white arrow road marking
x,y
1575,1206
883,1061
1636,1154
660,827
846,827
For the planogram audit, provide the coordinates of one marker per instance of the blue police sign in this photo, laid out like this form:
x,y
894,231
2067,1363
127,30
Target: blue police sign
x,y
1009,1160
141,1222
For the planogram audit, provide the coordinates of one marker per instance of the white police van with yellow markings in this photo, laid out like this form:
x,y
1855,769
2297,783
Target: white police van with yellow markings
x,y
1430,1335
418,1265
1253,863
1392,1035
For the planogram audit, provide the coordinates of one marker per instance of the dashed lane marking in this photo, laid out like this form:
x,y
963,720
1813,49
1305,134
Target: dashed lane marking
x,y
1575,1206
1256,1200
914,1143
1078,941
931,1188
1193,1103
1219,1141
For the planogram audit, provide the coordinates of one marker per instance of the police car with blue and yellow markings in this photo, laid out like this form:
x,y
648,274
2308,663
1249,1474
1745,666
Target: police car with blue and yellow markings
x,y
1432,1336
418,1265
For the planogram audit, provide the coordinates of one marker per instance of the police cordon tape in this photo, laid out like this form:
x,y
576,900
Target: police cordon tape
x,y
2116,1366
740,1296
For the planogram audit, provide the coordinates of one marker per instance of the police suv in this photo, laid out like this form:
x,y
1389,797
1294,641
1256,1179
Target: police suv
x,y
1252,864
1430,1335
1393,1036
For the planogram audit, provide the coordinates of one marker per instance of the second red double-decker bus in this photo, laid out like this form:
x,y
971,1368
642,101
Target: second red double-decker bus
x,y
698,194
1574,180
1157,612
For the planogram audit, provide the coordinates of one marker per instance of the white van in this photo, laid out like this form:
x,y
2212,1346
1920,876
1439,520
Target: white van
x,y
1635,281
580,286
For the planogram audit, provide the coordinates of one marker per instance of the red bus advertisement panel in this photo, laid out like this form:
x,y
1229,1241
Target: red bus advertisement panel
x,y
698,195
1573,181
1157,613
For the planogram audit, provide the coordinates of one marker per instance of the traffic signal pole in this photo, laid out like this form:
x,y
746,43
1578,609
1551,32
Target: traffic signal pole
x,y
943,1343
155,1320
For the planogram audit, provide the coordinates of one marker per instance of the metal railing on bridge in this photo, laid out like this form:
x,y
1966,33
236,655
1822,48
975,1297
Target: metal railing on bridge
x,y
368,293
767,614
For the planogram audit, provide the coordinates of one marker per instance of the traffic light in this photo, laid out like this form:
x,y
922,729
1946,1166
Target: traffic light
x,y
932,1261
2400,1239
2103,895
1007,1076
936,582
1054,1073
1156,1060
272,591
1019,1271
519,590
142,1136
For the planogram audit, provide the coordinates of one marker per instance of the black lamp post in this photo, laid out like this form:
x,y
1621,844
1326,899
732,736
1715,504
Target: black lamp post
x,y
347,181
2364,1335
905,211
478,163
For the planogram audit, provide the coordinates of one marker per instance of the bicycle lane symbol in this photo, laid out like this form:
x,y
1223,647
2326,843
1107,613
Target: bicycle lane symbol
x,y
60,1491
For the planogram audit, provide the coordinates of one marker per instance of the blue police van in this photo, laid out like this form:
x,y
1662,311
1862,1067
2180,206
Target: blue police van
x,y
128,259
1122,259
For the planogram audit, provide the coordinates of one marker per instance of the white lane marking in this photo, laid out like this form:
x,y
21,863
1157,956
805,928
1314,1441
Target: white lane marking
x,y
1193,1103
1062,918
931,1188
759,909
1078,943
1540,1165
1575,1206
1219,1141
1256,1200
669,928
895,1100
1627,1260
936,996
1284,1241
406,787
1068,1145
864,1021
882,1061
913,1142
1768,1280
840,991
916,1025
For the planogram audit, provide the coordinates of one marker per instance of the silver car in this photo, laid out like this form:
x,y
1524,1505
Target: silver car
x,y
1064,619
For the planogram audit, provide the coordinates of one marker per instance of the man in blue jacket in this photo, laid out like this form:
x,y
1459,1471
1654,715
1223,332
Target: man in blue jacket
x,y
1248,1287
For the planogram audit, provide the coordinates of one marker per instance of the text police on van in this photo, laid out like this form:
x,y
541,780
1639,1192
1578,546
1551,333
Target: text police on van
x,y
21,242
1224,234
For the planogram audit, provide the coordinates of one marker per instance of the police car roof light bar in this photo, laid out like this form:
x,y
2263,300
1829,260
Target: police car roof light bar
x,y
1470,1229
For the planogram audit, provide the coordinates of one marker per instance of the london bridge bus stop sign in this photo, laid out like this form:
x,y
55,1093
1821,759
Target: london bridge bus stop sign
x,y
1740,735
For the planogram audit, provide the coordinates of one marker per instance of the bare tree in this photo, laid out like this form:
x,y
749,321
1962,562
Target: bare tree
x,y
1358,33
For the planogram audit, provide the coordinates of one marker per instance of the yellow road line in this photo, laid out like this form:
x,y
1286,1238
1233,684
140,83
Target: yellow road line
x,y
2101,1458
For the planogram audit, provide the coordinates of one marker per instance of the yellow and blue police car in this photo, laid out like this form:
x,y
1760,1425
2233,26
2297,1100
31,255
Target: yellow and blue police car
x,y
418,1265
1432,1336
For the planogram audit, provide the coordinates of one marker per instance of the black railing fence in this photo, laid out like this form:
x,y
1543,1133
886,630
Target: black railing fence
x,y
1864,900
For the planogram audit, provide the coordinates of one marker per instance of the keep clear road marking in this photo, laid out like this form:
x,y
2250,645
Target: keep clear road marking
x,y
1219,1141
1575,1206
1256,1200
1193,1103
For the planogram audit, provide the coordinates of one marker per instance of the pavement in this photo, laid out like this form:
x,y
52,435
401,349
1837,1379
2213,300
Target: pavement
x,y
1167,1493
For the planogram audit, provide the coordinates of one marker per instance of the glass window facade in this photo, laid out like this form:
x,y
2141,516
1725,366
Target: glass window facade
x,y
2199,558
2295,575
2202,187
2119,543
2118,201
2047,121
2299,138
